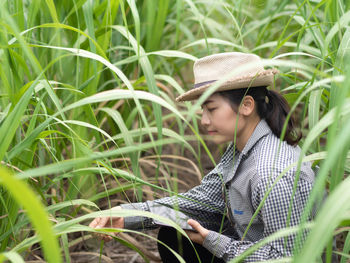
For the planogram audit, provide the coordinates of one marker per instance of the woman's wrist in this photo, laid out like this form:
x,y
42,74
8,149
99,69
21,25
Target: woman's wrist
x,y
216,243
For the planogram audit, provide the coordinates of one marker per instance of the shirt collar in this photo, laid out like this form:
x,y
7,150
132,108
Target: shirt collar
x,y
228,154
261,130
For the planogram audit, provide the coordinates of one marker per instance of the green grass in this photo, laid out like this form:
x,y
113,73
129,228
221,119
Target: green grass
x,y
87,93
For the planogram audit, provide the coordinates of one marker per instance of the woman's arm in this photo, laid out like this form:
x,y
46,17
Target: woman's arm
x,y
274,214
203,202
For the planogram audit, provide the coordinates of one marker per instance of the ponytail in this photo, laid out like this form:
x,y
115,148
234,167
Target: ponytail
x,y
270,106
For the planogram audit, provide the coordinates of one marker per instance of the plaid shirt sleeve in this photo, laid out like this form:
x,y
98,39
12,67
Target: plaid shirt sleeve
x,y
204,203
274,215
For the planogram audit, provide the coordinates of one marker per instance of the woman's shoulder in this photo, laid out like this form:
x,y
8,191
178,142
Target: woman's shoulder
x,y
276,159
271,147
273,155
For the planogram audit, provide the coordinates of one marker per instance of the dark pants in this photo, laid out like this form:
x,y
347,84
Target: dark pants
x,y
169,237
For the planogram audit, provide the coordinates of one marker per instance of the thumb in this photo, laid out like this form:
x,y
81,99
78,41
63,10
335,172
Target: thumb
x,y
196,225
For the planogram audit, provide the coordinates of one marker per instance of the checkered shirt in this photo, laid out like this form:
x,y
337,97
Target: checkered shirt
x,y
237,185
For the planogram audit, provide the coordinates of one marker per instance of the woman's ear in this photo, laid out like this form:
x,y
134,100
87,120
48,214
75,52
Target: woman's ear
x,y
247,106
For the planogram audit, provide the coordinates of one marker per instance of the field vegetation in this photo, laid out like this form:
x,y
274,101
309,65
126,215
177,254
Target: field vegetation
x,y
88,117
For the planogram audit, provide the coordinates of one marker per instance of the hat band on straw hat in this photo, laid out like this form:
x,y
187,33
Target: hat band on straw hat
x,y
198,85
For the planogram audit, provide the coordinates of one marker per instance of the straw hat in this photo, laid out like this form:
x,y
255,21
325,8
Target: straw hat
x,y
208,70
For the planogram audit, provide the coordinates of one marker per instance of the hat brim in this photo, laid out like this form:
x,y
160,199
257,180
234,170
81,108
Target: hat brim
x,y
263,78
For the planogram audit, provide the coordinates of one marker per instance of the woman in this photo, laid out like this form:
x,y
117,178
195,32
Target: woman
x,y
244,112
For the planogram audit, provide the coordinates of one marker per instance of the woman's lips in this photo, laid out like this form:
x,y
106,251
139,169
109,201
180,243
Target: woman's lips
x,y
211,132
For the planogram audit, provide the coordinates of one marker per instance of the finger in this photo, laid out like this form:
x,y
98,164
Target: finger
x,y
103,222
107,238
95,222
195,224
104,237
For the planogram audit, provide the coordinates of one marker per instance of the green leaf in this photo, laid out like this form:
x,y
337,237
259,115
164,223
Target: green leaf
x,y
36,213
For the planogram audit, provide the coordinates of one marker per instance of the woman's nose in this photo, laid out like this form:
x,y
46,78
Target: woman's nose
x,y
205,120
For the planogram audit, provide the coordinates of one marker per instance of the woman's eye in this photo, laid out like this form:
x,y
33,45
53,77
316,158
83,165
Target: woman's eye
x,y
211,109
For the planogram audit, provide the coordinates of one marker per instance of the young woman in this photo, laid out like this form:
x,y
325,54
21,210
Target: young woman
x,y
250,116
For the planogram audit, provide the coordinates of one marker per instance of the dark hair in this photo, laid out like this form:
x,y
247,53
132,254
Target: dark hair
x,y
271,106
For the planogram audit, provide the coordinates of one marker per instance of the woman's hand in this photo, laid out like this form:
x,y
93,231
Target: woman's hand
x,y
200,235
107,222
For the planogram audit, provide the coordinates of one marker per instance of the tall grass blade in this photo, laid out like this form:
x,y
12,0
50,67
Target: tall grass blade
x,y
36,212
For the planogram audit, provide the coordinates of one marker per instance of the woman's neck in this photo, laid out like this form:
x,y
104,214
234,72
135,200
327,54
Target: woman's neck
x,y
246,132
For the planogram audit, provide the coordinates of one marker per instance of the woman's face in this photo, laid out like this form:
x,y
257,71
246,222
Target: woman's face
x,y
219,119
